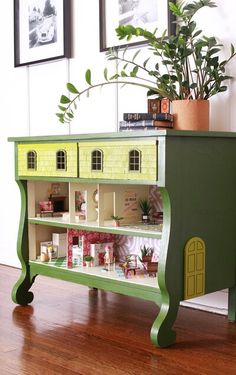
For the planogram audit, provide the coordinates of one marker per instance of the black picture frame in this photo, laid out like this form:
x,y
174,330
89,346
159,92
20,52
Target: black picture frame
x,y
41,33
160,5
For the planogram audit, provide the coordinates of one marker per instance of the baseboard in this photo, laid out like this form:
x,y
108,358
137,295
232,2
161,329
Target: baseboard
x,y
215,302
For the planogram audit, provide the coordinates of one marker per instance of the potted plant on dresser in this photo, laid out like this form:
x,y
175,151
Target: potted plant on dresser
x,y
184,67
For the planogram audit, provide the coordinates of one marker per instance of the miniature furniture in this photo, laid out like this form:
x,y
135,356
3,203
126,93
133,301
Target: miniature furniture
x,y
46,208
196,175
58,203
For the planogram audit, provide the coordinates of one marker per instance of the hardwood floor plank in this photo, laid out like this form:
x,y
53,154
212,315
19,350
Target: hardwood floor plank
x,y
70,329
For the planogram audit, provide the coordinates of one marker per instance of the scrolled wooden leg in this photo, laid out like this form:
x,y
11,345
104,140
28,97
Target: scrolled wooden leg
x,y
20,292
162,334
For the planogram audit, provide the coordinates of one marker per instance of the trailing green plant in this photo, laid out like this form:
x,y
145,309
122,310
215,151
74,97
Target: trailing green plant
x,y
145,206
185,65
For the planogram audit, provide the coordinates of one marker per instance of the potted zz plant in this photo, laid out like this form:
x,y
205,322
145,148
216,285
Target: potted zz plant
x,y
184,67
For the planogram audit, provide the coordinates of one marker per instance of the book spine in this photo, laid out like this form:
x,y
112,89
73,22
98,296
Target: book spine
x,y
166,125
145,123
153,128
147,116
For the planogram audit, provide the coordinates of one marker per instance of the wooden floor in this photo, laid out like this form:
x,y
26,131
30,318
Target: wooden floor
x,y
70,329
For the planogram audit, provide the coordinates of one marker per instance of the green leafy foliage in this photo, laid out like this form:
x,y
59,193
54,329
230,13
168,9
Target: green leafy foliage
x,y
145,206
185,65
146,250
116,218
88,258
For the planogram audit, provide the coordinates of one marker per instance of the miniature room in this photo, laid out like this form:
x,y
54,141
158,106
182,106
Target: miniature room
x,y
47,199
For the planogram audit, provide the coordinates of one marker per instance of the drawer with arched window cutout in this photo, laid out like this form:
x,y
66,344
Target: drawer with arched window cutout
x,y
48,159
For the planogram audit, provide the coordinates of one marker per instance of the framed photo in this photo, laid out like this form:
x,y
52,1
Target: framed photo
x,y
41,31
148,14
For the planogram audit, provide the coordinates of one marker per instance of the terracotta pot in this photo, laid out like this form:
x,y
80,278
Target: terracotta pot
x,y
116,223
191,114
147,258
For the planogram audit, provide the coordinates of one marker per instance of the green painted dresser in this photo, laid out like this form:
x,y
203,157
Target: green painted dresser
x,y
196,176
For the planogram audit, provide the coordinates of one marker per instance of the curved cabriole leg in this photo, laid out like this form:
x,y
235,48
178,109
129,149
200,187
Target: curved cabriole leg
x,y
162,334
20,292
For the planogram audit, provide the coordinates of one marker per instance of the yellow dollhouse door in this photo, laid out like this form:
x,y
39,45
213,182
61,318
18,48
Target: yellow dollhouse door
x,y
194,268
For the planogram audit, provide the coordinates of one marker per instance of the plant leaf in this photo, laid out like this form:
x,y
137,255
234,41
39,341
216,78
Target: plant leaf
x,y
105,74
145,62
123,73
71,88
134,71
232,49
88,76
62,108
64,100
136,54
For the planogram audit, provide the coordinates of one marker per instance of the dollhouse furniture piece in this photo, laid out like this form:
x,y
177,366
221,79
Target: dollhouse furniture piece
x,y
196,175
46,208
58,203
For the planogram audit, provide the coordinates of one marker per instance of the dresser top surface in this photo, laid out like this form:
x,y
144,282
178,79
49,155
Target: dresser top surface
x,y
142,134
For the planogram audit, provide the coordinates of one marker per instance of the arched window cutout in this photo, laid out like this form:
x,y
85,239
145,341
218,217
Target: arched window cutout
x,y
96,160
135,161
61,160
32,160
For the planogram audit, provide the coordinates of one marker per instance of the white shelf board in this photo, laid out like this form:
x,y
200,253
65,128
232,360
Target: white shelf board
x,y
99,271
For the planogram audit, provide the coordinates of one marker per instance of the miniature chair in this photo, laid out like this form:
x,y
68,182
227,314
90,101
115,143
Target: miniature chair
x,y
46,208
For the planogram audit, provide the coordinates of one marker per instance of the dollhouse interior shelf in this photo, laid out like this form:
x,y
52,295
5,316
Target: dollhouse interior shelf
x,y
99,273
139,230
104,175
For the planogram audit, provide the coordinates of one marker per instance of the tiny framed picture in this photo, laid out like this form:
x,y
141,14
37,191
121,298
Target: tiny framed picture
x,y
42,31
147,14
55,189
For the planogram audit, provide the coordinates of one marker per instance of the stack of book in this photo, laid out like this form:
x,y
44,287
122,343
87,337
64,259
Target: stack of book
x,y
135,121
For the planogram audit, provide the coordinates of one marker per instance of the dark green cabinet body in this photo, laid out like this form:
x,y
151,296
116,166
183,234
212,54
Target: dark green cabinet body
x,y
196,174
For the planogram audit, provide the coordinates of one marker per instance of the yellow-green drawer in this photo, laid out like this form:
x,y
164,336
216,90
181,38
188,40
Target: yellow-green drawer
x,y
116,159
46,159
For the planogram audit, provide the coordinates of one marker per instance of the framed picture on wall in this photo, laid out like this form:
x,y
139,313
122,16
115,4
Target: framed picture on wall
x,y
148,14
41,31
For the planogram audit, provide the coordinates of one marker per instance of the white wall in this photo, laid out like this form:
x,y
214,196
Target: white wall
x,y
29,96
